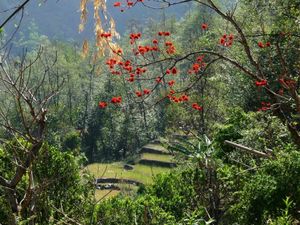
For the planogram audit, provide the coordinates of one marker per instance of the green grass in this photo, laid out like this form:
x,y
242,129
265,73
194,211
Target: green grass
x,y
103,194
157,157
141,173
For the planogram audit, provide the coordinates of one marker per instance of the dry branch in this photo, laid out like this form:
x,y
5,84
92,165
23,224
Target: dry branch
x,y
248,150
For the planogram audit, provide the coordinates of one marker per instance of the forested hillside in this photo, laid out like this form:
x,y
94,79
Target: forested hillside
x,y
157,113
60,19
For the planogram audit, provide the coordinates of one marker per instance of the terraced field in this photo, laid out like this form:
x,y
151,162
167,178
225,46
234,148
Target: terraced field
x,y
141,173
152,160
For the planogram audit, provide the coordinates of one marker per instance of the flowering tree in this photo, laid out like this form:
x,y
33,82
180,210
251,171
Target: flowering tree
x,y
268,53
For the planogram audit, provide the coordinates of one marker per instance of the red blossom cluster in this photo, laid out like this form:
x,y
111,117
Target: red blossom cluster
x,y
173,71
204,26
265,106
145,92
116,100
111,63
155,41
182,98
171,83
105,35
145,49
290,83
134,36
197,66
118,51
117,4
158,80
227,40
262,45
102,105
164,33
119,67
197,107
128,4
261,83
170,48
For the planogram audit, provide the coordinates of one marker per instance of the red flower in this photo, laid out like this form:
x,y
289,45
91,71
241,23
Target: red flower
x,y
147,91
105,35
185,98
138,94
196,106
222,41
171,83
204,26
168,43
261,83
172,92
226,41
174,71
260,44
163,33
171,50
268,44
265,106
131,79
129,3
200,58
155,41
158,79
102,105
117,4
196,67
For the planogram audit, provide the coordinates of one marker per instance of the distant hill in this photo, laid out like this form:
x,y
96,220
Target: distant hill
x,y
60,19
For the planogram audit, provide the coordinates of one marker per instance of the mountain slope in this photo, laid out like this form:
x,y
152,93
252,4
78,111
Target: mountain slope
x,y
61,18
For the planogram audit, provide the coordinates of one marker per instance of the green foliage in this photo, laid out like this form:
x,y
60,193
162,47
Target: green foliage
x,y
66,186
230,130
144,210
262,196
58,181
257,130
172,199
285,218
72,141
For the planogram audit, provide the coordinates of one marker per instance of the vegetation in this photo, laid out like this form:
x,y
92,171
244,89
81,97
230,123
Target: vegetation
x,y
193,119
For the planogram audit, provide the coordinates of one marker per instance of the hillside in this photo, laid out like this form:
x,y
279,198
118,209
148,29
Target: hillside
x,y
60,19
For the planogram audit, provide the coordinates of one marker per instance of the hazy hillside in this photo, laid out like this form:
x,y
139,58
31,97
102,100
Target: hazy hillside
x,y
60,19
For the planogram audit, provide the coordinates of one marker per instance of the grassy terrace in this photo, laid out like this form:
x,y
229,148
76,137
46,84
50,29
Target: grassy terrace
x,y
141,173
163,158
101,194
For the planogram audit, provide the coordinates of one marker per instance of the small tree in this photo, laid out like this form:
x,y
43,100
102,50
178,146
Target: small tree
x,y
24,97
